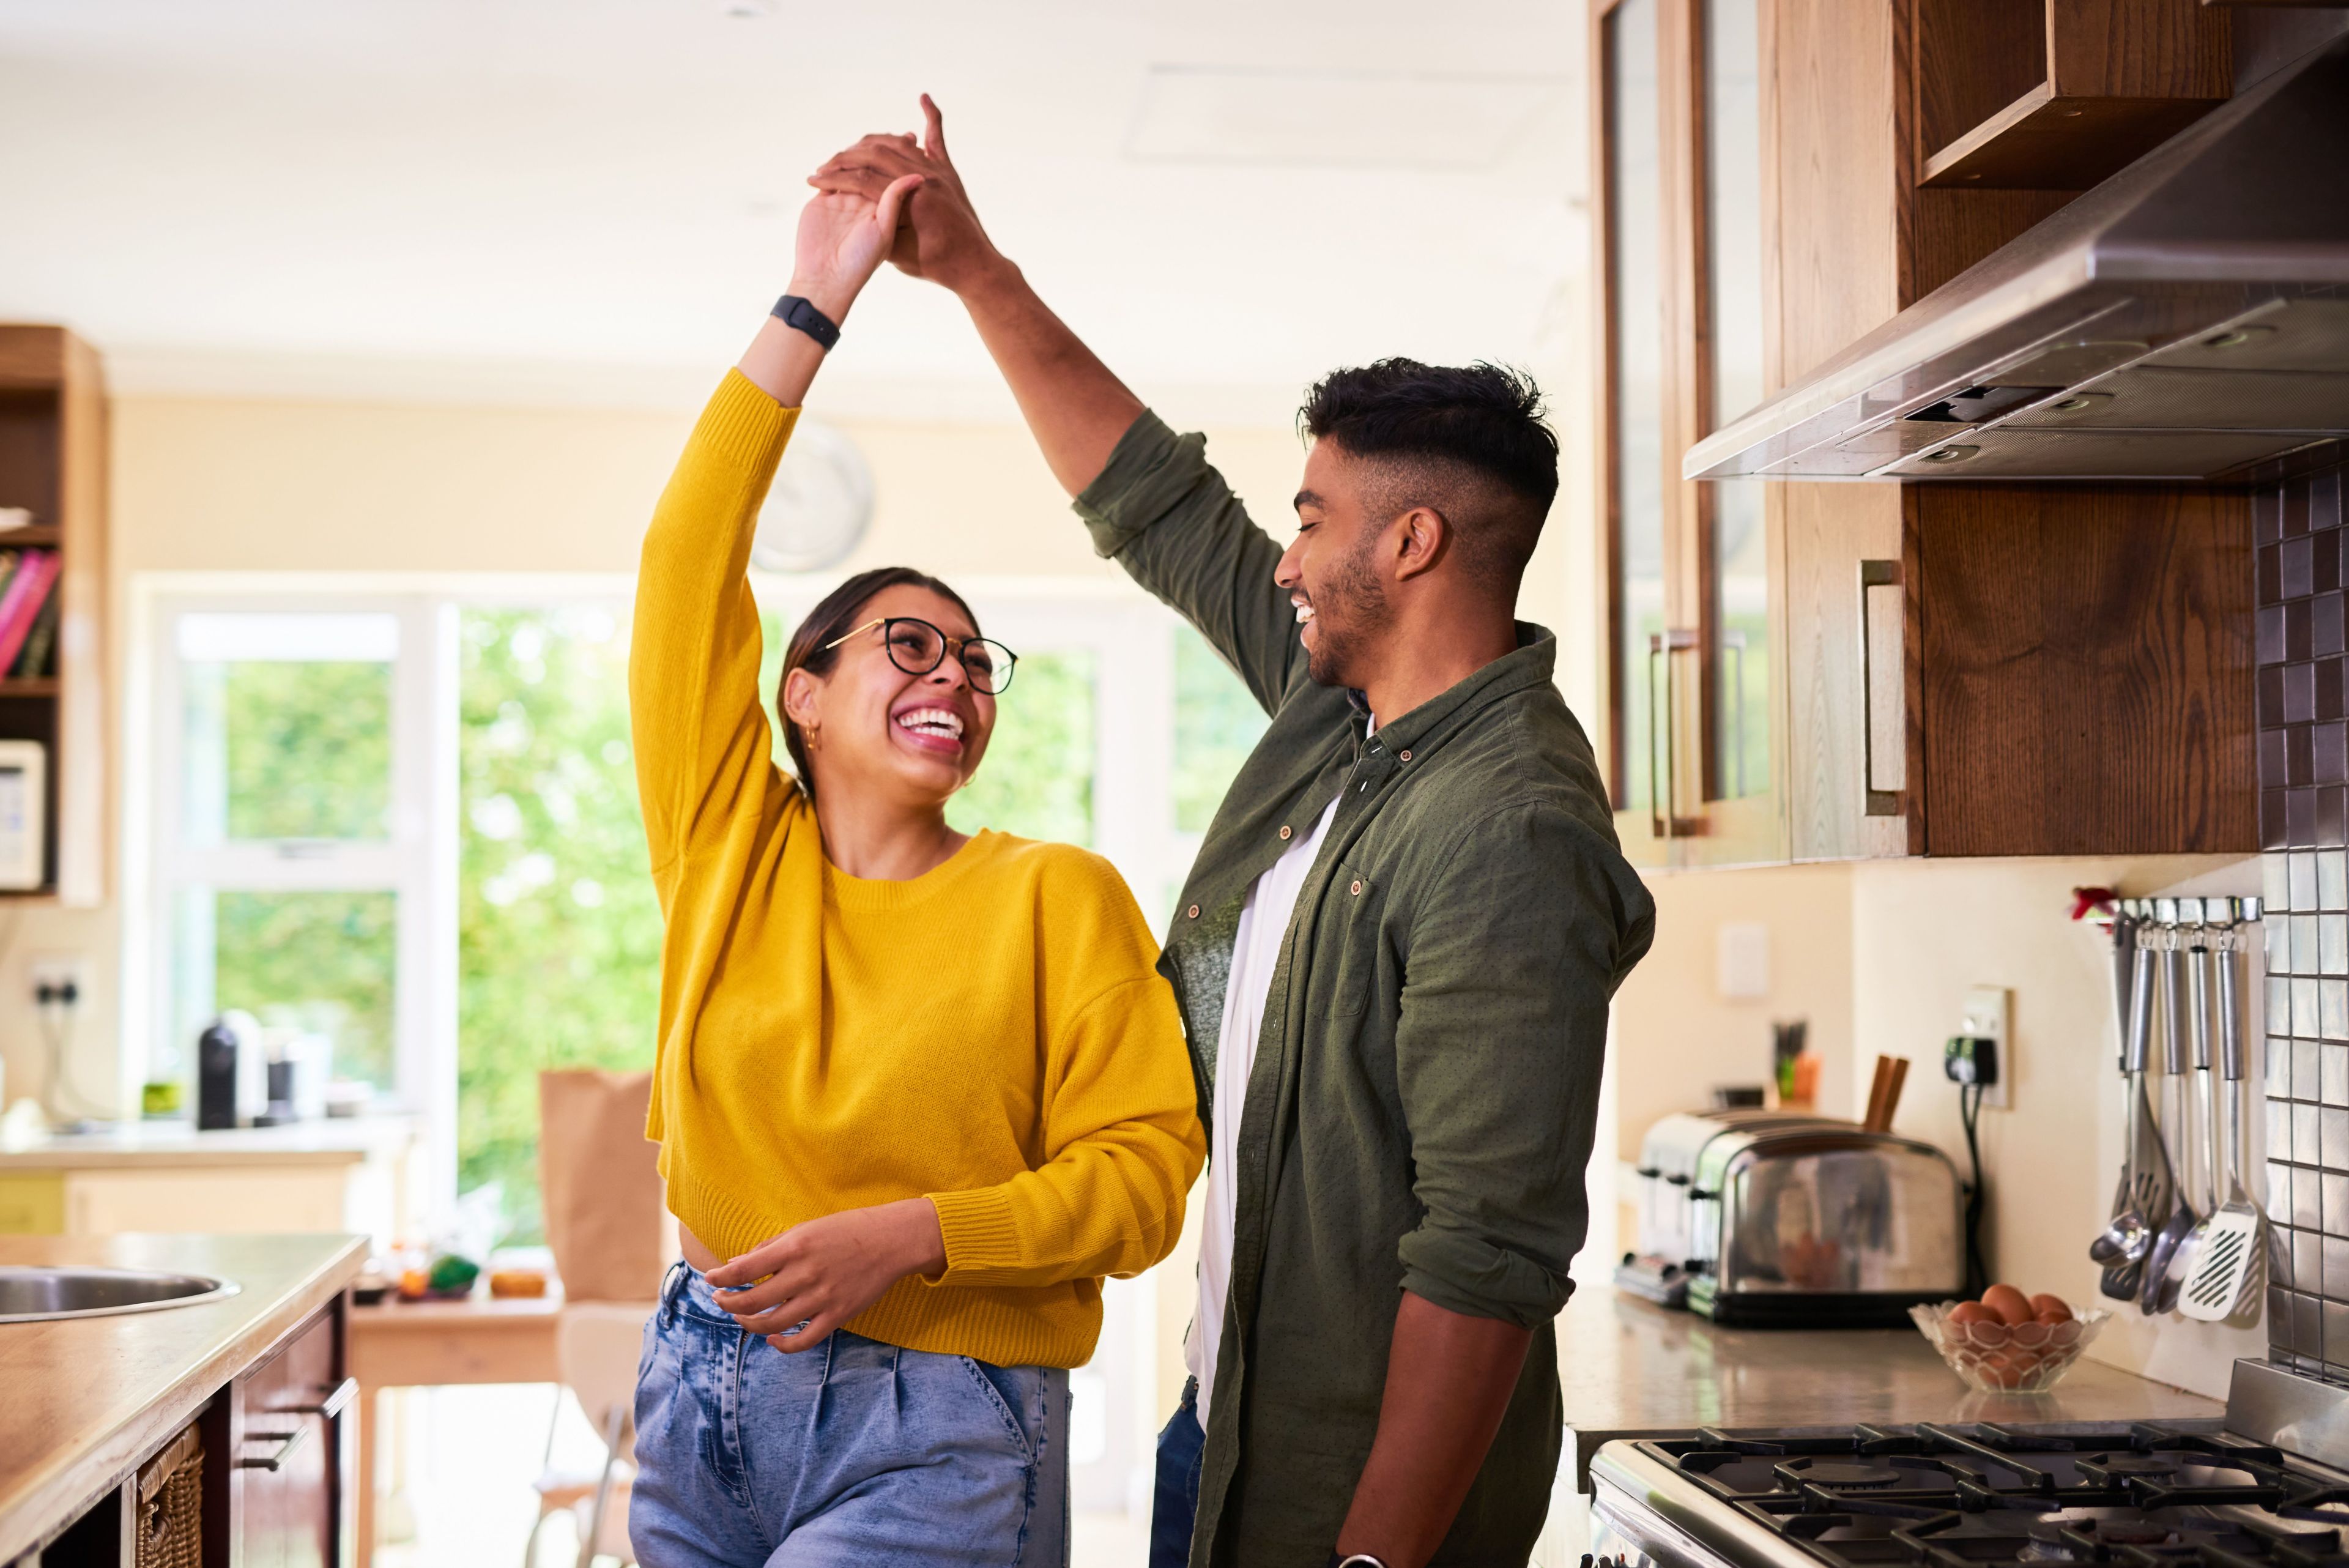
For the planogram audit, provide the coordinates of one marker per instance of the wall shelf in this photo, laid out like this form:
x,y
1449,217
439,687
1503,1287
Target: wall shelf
x,y
2056,95
53,463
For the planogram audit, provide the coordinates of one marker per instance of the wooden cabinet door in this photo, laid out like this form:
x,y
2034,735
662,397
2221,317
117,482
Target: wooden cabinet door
x,y
294,1444
1638,487
1693,668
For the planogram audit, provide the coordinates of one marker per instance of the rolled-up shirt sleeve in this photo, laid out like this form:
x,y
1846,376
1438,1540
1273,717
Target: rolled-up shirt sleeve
x,y
1498,1051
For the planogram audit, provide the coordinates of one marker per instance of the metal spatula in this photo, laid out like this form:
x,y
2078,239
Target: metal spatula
x,y
2156,1291
2142,1202
2201,1143
2230,1263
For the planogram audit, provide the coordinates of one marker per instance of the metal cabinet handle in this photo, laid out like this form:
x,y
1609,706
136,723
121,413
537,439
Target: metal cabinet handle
x,y
332,1406
287,1442
1663,783
1876,802
344,1393
1658,779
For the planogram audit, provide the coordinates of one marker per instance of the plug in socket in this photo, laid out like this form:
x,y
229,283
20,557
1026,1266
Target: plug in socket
x,y
1987,1015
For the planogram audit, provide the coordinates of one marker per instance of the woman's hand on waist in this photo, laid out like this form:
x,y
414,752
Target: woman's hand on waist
x,y
797,1288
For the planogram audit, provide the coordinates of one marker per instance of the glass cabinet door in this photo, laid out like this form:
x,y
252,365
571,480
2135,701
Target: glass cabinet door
x,y
1638,664
1739,705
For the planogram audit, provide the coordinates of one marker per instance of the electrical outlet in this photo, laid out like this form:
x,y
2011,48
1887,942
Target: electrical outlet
x,y
1987,1014
53,972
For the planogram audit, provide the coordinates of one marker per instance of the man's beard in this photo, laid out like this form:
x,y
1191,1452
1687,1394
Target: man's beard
x,y
1348,614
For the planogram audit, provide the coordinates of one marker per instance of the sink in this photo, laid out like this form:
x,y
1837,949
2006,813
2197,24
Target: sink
x,y
37,1295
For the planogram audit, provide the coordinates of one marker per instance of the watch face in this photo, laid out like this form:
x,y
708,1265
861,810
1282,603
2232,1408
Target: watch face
x,y
820,506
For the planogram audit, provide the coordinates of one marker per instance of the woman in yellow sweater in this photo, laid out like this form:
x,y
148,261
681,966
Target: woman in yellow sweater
x,y
917,1093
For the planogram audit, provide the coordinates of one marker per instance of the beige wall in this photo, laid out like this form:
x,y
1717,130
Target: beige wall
x,y
1924,931
1676,1035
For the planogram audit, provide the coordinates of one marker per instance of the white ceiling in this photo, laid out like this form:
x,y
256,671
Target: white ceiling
x,y
594,199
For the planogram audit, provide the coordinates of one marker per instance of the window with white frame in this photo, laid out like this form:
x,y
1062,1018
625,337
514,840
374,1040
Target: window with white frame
x,y
406,825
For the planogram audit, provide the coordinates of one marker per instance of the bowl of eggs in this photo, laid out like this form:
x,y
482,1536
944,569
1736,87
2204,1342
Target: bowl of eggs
x,y
2008,1342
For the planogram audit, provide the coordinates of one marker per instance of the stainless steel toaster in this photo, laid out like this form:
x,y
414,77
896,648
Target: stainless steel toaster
x,y
1786,1219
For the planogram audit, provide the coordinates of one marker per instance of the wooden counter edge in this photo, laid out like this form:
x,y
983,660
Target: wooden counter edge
x,y
52,1500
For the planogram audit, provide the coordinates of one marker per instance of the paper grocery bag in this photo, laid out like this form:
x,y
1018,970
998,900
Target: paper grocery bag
x,y
607,1221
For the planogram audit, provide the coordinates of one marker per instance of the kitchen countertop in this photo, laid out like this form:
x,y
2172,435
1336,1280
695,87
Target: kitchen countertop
x,y
1630,1368
87,1398
331,1141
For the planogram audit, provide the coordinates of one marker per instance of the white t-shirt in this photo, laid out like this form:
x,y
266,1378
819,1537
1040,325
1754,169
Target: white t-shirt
x,y
1256,951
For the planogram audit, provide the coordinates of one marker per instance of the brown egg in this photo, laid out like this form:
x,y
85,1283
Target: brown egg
x,y
1973,1312
2051,1309
2000,1375
2011,1305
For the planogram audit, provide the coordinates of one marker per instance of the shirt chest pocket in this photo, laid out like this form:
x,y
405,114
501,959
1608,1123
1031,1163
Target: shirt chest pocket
x,y
1348,943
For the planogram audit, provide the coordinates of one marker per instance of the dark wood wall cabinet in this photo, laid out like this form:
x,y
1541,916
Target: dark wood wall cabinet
x,y
265,1477
1945,670
2057,94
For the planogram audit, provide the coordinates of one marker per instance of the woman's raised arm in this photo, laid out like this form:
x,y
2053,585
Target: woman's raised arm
x,y
695,709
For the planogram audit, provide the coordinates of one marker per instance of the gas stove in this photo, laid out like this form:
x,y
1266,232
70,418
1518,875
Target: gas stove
x,y
2181,1494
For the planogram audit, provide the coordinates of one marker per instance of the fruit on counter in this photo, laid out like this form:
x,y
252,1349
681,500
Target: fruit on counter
x,y
415,1284
452,1275
512,1284
2011,1305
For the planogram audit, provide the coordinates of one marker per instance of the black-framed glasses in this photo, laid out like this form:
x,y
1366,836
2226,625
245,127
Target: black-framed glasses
x,y
917,648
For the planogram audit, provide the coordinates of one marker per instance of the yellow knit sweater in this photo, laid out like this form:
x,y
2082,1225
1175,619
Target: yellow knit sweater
x,y
990,1034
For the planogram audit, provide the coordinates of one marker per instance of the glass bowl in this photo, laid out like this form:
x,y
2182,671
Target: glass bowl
x,y
2027,1358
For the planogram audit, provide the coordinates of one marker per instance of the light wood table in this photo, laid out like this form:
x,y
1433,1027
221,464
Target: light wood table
x,y
402,1345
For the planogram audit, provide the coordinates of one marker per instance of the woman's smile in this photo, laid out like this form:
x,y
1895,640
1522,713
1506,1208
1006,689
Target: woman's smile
x,y
929,727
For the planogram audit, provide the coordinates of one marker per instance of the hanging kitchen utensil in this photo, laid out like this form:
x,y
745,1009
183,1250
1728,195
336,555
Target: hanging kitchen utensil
x,y
2142,1205
2111,1244
2235,1242
2198,1125
2182,1217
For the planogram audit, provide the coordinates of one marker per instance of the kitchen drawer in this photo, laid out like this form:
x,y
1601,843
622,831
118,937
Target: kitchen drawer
x,y
259,1199
294,1443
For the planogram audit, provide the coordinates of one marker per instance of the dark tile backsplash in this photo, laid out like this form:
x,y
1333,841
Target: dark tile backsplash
x,y
2303,708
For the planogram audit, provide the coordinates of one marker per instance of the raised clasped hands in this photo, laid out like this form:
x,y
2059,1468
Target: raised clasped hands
x,y
796,1288
939,236
842,238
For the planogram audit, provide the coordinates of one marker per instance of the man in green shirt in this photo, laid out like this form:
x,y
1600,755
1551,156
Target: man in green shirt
x,y
1394,953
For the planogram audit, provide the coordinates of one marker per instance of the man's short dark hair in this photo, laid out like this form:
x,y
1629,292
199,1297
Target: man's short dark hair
x,y
1468,441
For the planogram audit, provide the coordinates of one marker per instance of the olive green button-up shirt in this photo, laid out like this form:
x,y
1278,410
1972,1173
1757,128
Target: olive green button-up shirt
x,y
1426,1081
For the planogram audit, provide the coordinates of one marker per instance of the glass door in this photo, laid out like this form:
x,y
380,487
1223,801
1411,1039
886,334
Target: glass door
x,y
1639,662
1733,543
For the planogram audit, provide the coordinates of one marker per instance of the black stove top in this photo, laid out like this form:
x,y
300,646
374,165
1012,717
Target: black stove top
x,y
2144,1495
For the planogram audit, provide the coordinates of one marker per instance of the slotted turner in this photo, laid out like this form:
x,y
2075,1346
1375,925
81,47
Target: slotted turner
x,y
2229,1263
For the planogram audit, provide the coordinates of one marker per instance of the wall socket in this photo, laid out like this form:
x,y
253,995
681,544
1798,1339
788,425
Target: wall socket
x,y
1987,1014
58,969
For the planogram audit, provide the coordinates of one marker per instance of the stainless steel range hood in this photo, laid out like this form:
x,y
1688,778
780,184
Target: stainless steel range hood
x,y
2186,320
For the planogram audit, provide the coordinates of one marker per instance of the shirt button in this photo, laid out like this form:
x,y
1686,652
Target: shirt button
x,y
1284,830
1357,886
1192,913
1404,756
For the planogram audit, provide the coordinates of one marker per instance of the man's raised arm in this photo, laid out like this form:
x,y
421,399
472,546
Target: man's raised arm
x,y
1160,511
1076,408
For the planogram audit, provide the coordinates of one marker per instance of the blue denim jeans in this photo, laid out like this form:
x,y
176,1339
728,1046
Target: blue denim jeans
x,y
850,1452
1176,1501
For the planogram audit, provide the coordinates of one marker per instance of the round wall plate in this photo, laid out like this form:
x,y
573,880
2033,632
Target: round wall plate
x,y
820,506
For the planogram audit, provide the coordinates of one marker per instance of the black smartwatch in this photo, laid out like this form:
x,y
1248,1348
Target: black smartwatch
x,y
796,312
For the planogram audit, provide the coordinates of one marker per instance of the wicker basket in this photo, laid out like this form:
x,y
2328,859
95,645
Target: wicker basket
x,y
170,1529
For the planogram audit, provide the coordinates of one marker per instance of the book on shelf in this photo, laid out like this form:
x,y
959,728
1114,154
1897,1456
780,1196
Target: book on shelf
x,y
39,660
32,574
